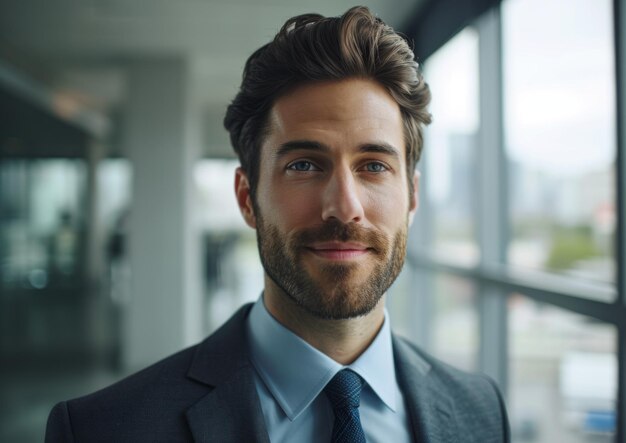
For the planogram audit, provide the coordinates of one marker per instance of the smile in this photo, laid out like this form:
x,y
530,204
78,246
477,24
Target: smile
x,y
339,251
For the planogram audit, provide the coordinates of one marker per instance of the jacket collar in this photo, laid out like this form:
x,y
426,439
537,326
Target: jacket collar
x,y
231,412
430,410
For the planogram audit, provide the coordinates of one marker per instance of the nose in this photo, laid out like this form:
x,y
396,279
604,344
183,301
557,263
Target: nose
x,y
341,198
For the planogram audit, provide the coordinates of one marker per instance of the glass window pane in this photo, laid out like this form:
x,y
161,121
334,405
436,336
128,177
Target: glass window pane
x,y
563,375
437,311
559,91
456,335
452,74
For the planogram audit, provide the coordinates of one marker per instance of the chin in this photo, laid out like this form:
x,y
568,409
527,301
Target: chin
x,y
338,302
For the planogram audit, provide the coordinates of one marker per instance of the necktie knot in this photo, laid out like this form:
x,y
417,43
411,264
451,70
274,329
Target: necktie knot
x,y
344,390
344,393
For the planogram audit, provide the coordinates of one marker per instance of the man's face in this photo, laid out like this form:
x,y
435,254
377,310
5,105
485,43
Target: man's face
x,y
332,204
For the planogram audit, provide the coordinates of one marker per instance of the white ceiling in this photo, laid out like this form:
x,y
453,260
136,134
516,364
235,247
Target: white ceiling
x,y
80,47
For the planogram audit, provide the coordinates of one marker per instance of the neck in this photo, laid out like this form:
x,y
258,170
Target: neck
x,y
342,340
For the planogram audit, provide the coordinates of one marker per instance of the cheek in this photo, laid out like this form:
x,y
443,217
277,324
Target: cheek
x,y
290,207
387,207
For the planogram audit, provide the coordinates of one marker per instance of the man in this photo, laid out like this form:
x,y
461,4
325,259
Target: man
x,y
328,128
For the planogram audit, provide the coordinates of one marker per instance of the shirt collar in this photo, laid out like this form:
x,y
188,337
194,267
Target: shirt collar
x,y
295,372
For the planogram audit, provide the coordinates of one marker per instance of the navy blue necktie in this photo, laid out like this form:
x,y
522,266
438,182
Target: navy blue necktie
x,y
344,393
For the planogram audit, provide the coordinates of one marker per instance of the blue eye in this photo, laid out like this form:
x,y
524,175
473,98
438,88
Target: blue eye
x,y
376,167
301,166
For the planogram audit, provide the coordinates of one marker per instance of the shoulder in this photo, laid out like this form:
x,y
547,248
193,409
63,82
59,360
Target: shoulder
x,y
459,381
159,377
473,398
153,401
156,397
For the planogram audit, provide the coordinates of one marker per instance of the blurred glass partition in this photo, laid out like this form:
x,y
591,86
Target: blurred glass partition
x,y
59,200
42,253
559,97
59,325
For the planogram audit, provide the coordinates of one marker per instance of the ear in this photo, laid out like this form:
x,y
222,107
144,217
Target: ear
x,y
244,199
414,201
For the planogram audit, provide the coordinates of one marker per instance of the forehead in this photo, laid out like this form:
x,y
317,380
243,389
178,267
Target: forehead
x,y
343,113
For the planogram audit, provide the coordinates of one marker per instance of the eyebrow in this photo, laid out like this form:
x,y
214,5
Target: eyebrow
x,y
297,145
380,147
310,145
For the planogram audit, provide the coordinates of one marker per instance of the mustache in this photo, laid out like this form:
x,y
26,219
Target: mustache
x,y
334,230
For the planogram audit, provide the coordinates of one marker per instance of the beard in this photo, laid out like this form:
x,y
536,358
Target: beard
x,y
332,290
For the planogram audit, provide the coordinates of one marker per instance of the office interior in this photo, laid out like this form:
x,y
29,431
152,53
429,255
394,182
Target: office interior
x,y
121,241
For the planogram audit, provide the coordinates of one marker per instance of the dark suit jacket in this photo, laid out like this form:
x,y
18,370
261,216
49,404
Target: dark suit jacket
x,y
207,393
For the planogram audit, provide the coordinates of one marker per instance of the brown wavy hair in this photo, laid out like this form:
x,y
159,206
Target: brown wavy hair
x,y
312,48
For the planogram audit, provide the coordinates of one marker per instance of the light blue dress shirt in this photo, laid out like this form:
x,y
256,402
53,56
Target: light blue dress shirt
x,y
291,374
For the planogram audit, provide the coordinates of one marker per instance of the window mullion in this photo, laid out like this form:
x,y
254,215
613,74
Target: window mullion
x,y
491,211
619,20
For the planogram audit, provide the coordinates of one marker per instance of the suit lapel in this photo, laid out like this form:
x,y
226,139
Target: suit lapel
x,y
430,410
231,412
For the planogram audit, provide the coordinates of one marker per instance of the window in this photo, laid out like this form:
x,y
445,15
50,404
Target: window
x,y
563,374
450,183
437,310
526,265
559,95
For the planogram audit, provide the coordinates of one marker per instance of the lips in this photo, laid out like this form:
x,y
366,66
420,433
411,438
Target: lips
x,y
337,241
339,250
